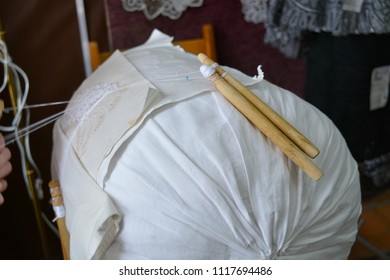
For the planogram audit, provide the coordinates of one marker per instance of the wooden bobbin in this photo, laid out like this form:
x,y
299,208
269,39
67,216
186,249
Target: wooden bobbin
x,y
1,107
258,119
57,201
300,140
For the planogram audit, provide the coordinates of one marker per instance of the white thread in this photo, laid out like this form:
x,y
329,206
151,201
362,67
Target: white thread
x,y
206,70
10,138
186,77
172,77
5,61
260,74
21,93
214,65
38,181
17,133
8,109
94,95
59,211
53,190
224,74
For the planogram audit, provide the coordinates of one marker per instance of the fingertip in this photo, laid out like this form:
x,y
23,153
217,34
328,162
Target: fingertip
x,y
3,185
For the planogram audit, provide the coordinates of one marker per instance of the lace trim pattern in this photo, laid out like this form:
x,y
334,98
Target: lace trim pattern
x,y
153,8
78,121
254,11
287,19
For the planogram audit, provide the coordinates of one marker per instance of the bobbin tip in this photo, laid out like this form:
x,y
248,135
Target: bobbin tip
x,y
54,183
202,57
206,70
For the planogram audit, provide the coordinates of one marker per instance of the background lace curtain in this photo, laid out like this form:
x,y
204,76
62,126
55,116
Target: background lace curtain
x,y
153,8
254,10
288,19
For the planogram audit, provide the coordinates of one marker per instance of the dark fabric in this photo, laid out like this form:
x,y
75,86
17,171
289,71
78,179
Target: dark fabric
x,y
338,83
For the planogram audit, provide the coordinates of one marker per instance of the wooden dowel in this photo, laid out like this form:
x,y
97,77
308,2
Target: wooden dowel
x,y
1,107
300,140
57,201
259,120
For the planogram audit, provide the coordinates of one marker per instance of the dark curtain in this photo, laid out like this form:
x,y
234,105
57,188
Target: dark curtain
x,y
339,70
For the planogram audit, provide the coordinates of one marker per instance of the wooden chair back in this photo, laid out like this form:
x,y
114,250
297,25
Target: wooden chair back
x,y
205,44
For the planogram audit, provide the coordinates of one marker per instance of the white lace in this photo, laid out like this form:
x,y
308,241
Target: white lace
x,y
80,107
254,11
83,103
153,8
287,19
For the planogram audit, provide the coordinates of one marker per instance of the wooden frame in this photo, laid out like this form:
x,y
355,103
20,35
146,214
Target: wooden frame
x,y
205,44
58,206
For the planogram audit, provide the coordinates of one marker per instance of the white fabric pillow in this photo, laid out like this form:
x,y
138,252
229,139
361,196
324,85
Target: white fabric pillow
x,y
198,181
185,176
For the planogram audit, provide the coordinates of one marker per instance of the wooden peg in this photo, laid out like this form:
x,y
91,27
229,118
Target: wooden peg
x,y
1,107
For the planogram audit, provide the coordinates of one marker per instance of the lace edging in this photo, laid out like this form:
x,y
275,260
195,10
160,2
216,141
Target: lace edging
x,y
286,20
153,8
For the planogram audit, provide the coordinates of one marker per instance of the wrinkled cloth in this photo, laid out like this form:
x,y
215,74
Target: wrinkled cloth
x,y
198,181
188,177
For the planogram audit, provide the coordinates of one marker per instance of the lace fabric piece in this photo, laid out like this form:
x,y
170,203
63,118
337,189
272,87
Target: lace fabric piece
x,y
82,103
254,11
153,8
80,109
287,19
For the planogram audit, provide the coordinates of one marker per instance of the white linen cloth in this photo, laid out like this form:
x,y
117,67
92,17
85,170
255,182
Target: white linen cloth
x,y
198,181
188,177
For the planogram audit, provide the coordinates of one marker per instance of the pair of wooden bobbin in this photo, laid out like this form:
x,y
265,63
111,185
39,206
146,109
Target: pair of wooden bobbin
x,y
291,142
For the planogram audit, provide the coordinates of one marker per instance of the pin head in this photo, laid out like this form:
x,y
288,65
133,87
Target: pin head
x,y
207,70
